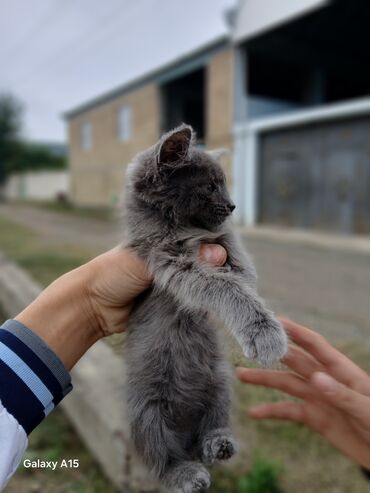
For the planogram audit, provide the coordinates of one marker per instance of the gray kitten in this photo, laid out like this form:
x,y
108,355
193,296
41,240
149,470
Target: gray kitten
x,y
178,381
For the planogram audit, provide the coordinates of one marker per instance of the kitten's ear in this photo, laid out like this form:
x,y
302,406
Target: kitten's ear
x,y
218,154
175,145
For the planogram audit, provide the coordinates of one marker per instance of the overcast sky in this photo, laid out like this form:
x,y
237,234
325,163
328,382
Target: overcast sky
x,y
56,54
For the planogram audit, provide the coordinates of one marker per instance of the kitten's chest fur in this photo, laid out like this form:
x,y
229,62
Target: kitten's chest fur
x,y
178,348
174,353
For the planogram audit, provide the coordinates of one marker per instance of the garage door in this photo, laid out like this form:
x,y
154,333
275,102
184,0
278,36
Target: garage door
x,y
317,177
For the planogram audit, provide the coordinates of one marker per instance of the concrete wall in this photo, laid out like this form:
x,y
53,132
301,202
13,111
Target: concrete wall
x,y
38,185
97,175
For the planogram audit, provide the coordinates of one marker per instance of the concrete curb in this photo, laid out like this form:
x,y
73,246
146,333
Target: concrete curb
x,y
96,407
353,244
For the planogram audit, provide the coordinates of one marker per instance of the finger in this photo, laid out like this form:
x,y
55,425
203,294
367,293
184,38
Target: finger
x,y
301,362
285,410
320,420
342,397
280,380
213,254
335,363
315,417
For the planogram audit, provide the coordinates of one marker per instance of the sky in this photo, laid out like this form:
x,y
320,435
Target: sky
x,y
61,53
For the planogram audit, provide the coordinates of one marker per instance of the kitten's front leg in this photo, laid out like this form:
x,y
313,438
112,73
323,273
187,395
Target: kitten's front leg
x,y
225,294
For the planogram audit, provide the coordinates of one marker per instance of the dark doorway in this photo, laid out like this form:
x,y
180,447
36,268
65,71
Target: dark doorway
x,y
183,101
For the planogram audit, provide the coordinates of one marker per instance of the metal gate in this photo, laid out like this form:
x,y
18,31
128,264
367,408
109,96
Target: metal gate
x,y
317,176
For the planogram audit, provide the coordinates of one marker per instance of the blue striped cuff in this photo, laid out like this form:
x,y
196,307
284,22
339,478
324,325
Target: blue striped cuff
x,y
33,380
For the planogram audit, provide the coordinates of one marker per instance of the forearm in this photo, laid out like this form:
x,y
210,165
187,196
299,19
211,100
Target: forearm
x,y
63,318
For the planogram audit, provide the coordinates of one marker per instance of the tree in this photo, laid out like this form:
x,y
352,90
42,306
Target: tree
x,y
34,157
10,127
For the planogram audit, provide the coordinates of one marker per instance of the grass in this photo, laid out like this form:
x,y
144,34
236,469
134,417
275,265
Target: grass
x,y
44,262
288,457
98,213
54,438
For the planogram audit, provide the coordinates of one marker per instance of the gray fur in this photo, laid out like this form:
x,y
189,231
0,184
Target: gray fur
x,y
178,379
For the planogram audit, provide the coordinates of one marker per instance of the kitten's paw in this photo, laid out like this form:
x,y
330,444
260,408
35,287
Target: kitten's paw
x,y
188,477
268,341
218,445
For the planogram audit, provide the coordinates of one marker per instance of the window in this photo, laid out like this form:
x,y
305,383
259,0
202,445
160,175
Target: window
x,y
124,123
86,136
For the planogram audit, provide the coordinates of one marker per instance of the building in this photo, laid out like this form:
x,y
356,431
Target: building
x,y
288,90
41,175
302,119
106,133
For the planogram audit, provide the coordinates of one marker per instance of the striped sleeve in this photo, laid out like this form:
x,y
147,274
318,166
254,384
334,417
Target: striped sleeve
x,y
33,380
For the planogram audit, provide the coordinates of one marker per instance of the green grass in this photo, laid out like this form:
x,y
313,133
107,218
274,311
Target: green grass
x,y
262,477
288,456
44,262
99,213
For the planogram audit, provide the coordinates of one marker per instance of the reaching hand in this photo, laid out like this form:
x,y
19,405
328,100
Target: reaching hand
x,y
335,392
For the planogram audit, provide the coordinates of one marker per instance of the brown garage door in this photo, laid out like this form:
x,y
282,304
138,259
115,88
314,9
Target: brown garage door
x,y
317,176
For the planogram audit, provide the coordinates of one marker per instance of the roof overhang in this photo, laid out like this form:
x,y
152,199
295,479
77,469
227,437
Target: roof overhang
x,y
256,16
177,68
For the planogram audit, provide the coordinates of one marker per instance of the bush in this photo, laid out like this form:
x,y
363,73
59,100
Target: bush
x,y
262,478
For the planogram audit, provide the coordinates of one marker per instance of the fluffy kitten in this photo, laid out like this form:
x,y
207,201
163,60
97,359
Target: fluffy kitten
x,y
178,380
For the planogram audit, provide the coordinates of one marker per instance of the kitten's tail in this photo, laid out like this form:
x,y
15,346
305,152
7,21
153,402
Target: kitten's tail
x,y
156,440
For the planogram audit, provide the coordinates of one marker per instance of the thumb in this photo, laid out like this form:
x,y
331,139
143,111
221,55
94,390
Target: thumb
x,y
341,396
213,254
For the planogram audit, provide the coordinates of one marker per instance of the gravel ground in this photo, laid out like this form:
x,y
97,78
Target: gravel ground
x,y
323,287
64,228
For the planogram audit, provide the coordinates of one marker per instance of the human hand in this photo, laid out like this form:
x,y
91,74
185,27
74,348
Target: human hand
x,y
115,278
94,301
335,392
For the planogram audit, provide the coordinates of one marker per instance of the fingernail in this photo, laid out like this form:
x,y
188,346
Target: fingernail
x,y
324,382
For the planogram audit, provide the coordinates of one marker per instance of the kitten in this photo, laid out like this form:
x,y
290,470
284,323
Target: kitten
x,y
178,381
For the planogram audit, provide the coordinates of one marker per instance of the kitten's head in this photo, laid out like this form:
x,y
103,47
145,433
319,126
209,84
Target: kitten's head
x,y
185,184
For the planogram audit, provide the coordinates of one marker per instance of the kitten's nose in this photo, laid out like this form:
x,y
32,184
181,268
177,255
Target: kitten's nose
x,y
231,206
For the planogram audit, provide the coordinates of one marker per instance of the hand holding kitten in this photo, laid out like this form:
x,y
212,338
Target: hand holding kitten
x,y
116,277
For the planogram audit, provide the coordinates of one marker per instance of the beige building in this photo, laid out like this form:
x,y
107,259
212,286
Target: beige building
x,y
104,134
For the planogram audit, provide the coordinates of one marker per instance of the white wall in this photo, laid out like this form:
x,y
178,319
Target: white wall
x,y
256,16
40,185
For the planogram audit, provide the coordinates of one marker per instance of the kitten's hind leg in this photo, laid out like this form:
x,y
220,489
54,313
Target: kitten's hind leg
x,y
217,445
187,477
215,440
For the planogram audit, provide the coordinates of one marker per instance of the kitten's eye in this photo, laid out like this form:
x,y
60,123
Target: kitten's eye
x,y
211,187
